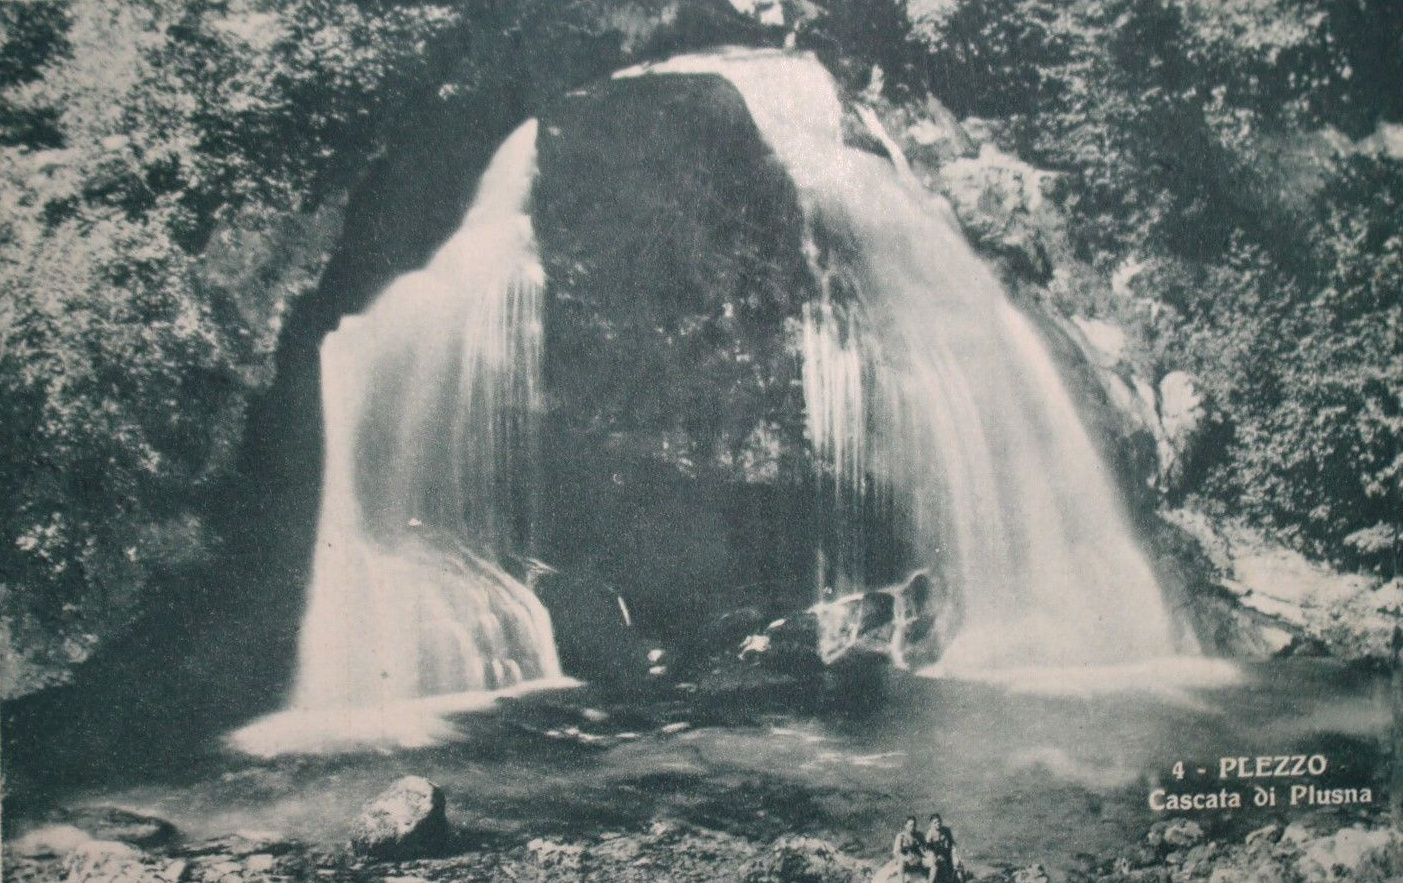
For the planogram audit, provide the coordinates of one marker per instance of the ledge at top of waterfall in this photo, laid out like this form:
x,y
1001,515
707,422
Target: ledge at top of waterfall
x,y
948,399
431,401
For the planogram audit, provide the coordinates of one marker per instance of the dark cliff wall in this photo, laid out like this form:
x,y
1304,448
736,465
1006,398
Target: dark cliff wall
x,y
677,469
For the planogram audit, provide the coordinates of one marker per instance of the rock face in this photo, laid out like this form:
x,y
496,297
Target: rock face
x,y
595,635
1271,600
674,442
407,820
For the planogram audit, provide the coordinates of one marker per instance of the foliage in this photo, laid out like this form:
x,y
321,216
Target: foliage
x,y
1213,143
131,131
152,154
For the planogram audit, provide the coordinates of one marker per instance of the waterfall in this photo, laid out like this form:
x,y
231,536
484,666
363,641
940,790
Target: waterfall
x,y
928,385
431,401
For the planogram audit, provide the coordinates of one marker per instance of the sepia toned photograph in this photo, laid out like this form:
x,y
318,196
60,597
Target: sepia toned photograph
x,y
771,441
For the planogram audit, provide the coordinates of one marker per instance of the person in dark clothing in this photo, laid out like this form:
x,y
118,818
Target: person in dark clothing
x,y
940,860
909,851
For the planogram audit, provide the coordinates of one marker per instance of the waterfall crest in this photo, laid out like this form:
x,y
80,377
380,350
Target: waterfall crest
x,y
431,399
962,418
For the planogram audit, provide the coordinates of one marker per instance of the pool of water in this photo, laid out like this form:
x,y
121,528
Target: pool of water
x,y
1041,766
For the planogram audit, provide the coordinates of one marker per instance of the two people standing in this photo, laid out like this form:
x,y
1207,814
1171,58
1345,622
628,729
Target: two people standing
x,y
929,857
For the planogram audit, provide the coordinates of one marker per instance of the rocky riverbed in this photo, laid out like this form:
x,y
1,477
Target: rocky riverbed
x,y
404,836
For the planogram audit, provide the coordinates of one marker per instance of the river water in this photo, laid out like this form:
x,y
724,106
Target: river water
x,y
1037,770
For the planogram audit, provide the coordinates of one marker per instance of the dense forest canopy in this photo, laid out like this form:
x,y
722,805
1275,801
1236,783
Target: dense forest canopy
x,y
1237,161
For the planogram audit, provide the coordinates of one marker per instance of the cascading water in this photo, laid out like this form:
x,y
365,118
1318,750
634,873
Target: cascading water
x,y
961,417
431,399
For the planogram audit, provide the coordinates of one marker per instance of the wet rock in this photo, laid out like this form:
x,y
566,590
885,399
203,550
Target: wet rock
x,y
1281,603
243,843
122,825
804,860
936,136
1182,833
1264,837
1106,340
407,820
734,626
554,858
907,623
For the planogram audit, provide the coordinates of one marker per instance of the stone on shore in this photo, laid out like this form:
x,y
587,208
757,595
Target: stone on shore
x,y
108,861
805,860
408,820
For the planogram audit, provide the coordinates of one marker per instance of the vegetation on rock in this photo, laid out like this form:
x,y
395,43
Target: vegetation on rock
x,y
1239,166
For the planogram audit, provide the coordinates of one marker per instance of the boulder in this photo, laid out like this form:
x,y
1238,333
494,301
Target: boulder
x,y
907,623
734,626
804,860
1182,833
1182,416
407,820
